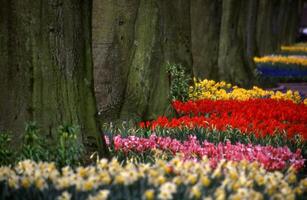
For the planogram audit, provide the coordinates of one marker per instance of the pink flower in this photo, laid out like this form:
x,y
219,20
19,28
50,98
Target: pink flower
x,y
271,158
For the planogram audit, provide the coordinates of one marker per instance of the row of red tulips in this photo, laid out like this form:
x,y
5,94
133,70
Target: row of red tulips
x,y
258,127
280,110
259,116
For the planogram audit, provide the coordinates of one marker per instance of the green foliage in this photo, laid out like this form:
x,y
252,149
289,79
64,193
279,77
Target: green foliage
x,y
68,150
179,85
33,147
6,153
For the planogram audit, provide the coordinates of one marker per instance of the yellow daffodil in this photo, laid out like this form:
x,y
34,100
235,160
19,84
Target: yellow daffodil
x,y
149,194
205,89
64,196
294,48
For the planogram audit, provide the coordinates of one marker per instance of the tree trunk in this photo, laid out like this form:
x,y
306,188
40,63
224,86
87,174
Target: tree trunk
x,y
205,30
232,63
290,29
265,35
132,42
251,28
50,68
174,45
113,26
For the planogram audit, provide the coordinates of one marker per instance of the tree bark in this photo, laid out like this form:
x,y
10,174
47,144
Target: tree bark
x,y
113,27
251,28
205,30
50,68
232,61
132,42
265,35
174,42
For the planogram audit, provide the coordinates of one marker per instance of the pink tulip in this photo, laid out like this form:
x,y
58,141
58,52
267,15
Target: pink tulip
x,y
270,157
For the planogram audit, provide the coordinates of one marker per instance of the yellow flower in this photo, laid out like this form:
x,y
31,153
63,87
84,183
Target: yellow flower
x,y
298,190
105,178
220,194
161,179
205,181
101,195
67,171
165,195
40,183
88,185
291,178
282,59
303,183
103,163
235,186
177,180
233,174
149,194
25,182
169,186
13,181
64,196
237,179
192,178
63,182
271,189
195,192
294,48
205,89
260,180
119,179
82,172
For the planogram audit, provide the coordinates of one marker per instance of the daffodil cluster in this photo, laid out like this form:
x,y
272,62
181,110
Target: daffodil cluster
x,y
210,89
294,48
296,60
176,179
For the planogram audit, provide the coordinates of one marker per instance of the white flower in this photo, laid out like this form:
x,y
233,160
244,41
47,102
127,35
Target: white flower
x,y
168,186
101,195
64,196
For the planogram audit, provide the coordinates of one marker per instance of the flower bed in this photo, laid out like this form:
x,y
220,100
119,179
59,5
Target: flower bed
x,y
288,66
282,71
209,89
260,116
227,142
271,158
294,48
294,60
163,180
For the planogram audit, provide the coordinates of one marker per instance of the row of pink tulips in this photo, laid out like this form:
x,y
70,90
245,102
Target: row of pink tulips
x,y
272,158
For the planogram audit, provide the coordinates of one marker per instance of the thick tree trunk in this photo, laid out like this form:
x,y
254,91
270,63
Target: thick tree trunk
x,y
113,26
205,30
132,42
277,24
232,61
265,35
290,29
174,32
143,61
46,45
50,68
16,69
251,28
